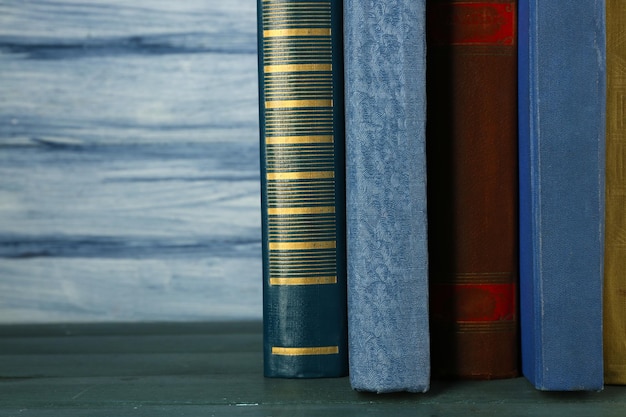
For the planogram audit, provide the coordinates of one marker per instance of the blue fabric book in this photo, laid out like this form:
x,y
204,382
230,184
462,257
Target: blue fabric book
x,y
387,259
562,127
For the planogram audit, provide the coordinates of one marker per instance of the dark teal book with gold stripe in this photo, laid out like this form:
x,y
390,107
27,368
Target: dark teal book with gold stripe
x,y
302,188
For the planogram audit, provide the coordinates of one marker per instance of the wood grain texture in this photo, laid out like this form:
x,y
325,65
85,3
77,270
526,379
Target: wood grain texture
x,y
129,184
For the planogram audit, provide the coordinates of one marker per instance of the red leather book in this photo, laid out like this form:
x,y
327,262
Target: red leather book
x,y
472,188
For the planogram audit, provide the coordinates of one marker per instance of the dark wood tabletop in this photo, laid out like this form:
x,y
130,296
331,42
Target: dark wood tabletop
x,y
215,369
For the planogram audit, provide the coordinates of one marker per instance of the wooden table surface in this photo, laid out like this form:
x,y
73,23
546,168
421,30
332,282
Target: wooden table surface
x,y
215,369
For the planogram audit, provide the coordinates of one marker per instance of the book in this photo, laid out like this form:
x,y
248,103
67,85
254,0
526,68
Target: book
x,y
615,239
562,162
386,195
472,188
302,188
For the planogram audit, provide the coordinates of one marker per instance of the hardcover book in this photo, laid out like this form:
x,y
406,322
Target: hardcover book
x,y
472,188
386,195
562,162
615,239
302,188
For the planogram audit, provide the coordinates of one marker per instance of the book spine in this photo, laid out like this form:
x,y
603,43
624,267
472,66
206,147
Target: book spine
x,y
562,154
386,195
615,240
472,192
302,188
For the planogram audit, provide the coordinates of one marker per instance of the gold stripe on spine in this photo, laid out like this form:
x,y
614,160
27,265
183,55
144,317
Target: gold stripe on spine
x,y
297,68
305,84
287,140
477,326
304,281
277,176
481,278
299,143
291,211
304,351
308,122
297,32
302,245
287,104
303,234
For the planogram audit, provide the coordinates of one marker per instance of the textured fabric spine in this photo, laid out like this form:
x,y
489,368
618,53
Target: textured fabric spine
x,y
302,188
562,156
615,246
386,195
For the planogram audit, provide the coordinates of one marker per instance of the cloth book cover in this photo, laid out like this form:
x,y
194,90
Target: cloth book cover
x,y
302,188
562,167
615,239
387,259
472,188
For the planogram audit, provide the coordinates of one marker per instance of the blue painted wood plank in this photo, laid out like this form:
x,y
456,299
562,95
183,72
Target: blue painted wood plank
x,y
129,184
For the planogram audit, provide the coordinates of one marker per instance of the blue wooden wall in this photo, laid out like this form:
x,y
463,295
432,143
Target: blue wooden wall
x,y
129,184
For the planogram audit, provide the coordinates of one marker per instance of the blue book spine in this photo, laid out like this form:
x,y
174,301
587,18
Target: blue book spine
x,y
302,188
385,67
562,154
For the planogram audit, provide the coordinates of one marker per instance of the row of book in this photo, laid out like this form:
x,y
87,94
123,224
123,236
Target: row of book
x,y
431,171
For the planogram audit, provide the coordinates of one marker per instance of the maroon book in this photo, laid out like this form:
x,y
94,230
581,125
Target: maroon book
x,y
472,188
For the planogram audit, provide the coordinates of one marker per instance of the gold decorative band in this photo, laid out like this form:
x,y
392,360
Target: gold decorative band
x,y
297,32
287,104
304,281
300,175
279,140
290,351
480,278
297,68
480,327
284,211
302,245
